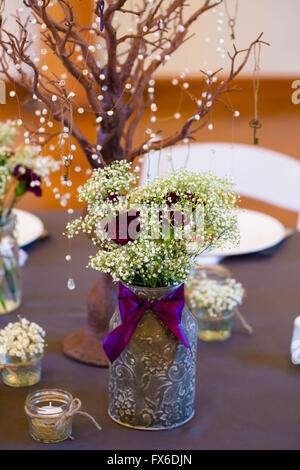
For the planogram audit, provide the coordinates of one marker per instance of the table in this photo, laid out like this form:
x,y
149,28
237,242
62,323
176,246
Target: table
x,y
247,388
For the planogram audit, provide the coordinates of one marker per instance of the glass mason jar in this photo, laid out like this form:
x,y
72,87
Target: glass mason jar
x,y
10,280
210,328
22,374
216,273
214,328
152,382
44,409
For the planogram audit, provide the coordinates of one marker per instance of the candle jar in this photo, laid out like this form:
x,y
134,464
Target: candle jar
x,y
22,374
46,410
217,328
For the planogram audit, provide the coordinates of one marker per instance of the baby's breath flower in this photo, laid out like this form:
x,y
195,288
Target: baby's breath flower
x,y
22,340
22,169
8,132
28,156
158,254
215,297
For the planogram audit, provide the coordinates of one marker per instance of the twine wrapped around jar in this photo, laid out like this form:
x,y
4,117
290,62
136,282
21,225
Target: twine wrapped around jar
x,y
10,368
74,409
62,421
234,313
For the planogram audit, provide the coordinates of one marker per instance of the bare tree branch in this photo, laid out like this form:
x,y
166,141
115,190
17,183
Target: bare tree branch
x,y
118,92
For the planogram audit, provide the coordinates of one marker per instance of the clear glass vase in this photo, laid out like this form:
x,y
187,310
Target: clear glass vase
x,y
152,383
214,328
20,374
10,280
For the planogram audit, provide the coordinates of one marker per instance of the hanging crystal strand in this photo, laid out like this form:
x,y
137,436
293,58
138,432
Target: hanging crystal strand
x,y
71,282
67,157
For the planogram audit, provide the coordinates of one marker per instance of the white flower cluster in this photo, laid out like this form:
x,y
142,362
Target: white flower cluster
x,y
152,256
151,263
215,297
14,162
8,132
3,180
22,341
214,195
112,181
28,156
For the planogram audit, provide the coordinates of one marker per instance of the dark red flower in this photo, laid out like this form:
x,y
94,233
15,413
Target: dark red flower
x,y
175,218
124,228
176,198
113,197
27,177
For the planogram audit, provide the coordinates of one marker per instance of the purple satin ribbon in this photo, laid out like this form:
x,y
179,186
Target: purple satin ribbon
x,y
132,308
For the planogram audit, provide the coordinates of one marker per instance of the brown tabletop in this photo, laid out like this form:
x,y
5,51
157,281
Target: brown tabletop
x,y
247,388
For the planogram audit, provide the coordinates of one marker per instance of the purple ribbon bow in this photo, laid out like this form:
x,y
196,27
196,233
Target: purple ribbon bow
x,y
132,308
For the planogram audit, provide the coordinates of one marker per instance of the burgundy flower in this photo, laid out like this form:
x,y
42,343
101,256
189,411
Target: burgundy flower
x,y
176,198
175,218
28,177
124,228
113,197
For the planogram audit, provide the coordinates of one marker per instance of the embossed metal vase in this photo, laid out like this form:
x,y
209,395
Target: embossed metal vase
x,y
152,382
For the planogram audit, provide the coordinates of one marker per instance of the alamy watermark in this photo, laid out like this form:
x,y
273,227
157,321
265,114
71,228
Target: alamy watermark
x,y
153,223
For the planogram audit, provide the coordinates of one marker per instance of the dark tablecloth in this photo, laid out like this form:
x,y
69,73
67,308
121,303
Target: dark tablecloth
x,y
247,389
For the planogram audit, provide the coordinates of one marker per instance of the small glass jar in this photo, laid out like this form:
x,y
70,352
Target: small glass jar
x,y
22,374
217,272
209,328
10,279
214,328
46,410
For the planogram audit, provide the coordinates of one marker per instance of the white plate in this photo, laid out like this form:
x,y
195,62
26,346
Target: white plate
x,y
29,227
258,232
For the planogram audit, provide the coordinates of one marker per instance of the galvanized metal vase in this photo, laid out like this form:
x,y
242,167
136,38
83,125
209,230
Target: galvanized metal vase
x,y
152,383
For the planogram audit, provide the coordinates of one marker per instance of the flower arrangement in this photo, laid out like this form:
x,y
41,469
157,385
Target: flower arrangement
x,y
214,297
22,341
150,236
22,169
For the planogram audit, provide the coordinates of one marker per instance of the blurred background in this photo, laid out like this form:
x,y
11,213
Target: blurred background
x,y
280,67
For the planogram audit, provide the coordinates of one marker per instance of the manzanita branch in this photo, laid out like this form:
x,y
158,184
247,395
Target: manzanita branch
x,y
117,92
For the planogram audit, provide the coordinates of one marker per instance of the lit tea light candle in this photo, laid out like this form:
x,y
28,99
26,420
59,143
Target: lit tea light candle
x,y
48,415
50,410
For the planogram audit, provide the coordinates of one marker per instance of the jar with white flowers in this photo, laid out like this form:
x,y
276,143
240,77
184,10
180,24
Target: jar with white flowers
x,y
22,171
21,351
214,302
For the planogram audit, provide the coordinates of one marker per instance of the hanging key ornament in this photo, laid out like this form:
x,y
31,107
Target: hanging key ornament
x,y
232,19
255,123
